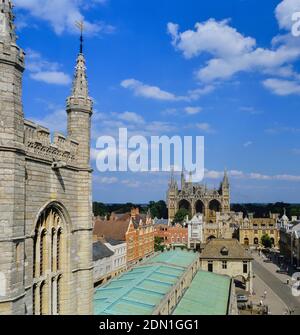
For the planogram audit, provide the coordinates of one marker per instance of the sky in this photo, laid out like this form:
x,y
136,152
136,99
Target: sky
x,y
226,70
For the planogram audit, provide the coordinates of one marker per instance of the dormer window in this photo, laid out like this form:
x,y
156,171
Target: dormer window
x,y
224,251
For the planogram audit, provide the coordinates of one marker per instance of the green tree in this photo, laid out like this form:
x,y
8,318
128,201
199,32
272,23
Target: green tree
x,y
266,241
158,244
158,209
181,215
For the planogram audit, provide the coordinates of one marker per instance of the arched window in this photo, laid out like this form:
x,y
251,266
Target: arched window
x,y
48,267
43,251
58,292
58,250
42,298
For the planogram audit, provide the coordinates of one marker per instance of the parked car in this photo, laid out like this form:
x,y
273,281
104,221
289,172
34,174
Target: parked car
x,y
242,298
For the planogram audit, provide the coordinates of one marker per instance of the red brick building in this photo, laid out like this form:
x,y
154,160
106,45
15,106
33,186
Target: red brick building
x,y
134,228
172,234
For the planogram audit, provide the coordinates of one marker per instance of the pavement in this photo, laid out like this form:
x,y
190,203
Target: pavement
x,y
279,295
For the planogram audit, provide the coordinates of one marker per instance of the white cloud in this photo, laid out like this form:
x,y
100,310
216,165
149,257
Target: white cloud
x,y
216,38
56,120
54,77
282,87
131,117
143,90
284,12
230,51
62,14
45,71
205,127
193,110
212,174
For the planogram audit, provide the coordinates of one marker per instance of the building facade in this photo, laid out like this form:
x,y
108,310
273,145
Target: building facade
x,y
228,257
133,228
109,260
290,243
172,235
195,232
252,230
45,195
197,198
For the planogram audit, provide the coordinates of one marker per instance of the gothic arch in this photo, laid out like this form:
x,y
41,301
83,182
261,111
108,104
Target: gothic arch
x,y
215,205
51,260
199,207
185,204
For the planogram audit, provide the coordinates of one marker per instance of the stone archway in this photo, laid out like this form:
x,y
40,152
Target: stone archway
x,y
246,241
51,261
199,207
185,204
214,207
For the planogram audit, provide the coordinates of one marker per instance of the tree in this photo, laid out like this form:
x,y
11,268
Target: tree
x,y
158,209
181,215
158,244
266,241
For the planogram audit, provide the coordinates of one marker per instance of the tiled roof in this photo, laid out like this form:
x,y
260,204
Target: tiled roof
x,y
101,251
214,248
111,229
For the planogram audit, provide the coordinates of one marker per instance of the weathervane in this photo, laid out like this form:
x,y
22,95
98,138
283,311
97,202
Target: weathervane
x,y
80,26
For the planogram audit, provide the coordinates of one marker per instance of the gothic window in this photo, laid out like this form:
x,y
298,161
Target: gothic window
x,y
48,266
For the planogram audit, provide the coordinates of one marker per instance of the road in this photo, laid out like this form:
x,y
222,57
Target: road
x,y
281,289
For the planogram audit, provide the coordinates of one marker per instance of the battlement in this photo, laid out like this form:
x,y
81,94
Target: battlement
x,y
37,140
11,53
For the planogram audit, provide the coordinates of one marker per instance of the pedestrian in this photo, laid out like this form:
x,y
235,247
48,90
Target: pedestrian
x,y
265,294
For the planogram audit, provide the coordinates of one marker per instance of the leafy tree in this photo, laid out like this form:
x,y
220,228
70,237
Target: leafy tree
x,y
158,244
266,241
158,209
181,215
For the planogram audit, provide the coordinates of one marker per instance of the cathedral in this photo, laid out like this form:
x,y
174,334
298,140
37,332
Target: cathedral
x,y
45,195
197,198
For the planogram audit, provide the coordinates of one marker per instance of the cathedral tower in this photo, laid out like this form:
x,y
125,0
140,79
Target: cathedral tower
x,y
225,189
12,166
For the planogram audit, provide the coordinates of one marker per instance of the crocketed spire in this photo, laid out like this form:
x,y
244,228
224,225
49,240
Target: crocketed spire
x,y
80,84
7,27
80,93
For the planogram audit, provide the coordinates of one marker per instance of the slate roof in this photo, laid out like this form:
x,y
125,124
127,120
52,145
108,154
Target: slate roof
x,y
214,248
101,251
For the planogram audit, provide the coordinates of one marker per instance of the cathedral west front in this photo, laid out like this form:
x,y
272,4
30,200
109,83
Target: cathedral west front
x,y
45,195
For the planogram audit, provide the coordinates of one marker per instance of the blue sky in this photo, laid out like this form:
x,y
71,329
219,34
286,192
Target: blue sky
x,y
228,70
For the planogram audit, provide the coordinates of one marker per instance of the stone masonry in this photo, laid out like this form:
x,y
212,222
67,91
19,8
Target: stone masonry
x,y
45,196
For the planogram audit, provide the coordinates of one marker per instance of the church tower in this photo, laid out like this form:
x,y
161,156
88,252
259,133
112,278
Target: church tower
x,y
80,110
225,189
171,196
12,167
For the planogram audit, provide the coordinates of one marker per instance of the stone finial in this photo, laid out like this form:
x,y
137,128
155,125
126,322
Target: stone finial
x,y
7,27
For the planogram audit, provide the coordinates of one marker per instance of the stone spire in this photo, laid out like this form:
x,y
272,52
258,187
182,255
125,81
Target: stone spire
x,y
7,27
80,83
80,110
225,179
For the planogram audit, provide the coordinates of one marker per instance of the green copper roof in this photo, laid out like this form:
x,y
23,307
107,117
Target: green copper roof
x,y
175,257
207,295
140,290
